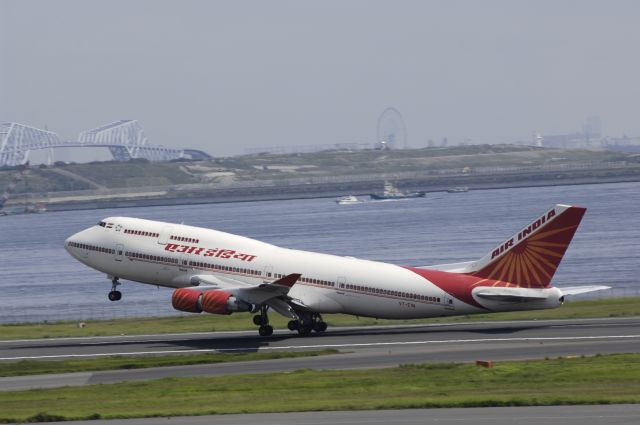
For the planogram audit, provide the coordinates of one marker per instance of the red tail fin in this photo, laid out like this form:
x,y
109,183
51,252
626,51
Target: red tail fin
x,y
530,258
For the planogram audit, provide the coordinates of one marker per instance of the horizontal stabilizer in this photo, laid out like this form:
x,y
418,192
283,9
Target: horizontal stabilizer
x,y
511,294
575,290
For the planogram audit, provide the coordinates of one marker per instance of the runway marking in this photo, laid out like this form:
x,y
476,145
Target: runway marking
x,y
543,322
320,346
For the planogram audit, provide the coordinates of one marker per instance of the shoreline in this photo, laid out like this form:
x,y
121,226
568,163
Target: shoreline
x,y
332,191
328,174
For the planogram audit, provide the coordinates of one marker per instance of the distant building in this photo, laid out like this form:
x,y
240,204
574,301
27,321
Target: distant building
x,y
564,141
592,128
623,144
589,138
538,140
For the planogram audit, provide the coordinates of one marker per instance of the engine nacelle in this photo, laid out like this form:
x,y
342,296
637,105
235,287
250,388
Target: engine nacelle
x,y
221,302
188,300
214,302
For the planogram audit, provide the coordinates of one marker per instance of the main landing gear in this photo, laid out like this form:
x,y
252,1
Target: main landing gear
x,y
262,320
115,295
307,324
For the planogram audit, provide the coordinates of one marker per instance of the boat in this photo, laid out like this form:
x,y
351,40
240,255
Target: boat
x,y
349,200
38,208
392,192
458,189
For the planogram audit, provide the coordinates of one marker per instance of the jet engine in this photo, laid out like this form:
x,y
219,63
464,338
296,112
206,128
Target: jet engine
x,y
214,302
186,300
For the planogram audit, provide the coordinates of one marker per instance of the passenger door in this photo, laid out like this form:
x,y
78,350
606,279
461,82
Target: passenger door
x,y
183,262
268,274
119,252
448,302
164,235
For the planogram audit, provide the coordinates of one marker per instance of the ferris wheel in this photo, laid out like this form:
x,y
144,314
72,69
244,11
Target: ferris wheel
x,y
392,132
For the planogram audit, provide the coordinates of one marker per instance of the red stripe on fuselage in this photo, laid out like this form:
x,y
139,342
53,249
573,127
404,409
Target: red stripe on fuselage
x,y
454,284
458,285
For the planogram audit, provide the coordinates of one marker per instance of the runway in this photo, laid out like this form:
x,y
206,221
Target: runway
x,y
362,347
626,414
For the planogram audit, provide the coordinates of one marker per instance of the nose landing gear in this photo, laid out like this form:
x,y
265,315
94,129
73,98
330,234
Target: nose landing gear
x,y
115,295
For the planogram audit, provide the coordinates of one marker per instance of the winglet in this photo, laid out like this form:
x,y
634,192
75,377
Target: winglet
x,y
288,281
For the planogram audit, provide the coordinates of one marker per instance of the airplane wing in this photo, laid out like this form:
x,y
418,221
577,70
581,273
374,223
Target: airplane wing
x,y
282,307
268,293
278,287
209,282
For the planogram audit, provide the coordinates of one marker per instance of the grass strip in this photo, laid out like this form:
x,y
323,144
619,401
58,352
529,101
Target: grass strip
x,y
591,380
613,307
36,367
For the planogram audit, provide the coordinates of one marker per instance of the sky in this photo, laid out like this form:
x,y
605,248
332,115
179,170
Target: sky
x,y
227,76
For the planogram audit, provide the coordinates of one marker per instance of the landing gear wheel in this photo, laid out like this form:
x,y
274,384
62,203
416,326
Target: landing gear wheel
x,y
305,329
265,330
115,295
308,323
320,326
262,320
293,325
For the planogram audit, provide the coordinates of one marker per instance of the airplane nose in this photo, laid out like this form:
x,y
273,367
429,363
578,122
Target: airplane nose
x,y
69,240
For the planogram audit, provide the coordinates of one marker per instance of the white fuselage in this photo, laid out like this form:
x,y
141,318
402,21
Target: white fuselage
x,y
171,255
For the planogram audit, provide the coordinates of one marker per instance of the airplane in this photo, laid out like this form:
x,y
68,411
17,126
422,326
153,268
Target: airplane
x,y
222,273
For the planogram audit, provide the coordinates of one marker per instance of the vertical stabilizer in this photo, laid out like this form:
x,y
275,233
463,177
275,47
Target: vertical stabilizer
x,y
530,258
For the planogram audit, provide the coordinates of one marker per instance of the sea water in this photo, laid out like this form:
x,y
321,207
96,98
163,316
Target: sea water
x,y
40,281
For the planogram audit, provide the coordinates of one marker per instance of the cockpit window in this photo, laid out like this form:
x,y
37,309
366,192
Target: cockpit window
x,y
102,224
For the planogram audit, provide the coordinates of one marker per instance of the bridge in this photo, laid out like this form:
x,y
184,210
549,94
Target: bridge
x,y
125,140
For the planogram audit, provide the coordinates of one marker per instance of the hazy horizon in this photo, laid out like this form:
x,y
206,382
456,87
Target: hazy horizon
x,y
229,76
